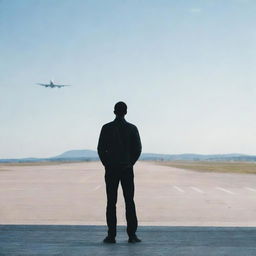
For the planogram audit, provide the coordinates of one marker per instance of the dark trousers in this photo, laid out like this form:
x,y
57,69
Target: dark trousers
x,y
112,177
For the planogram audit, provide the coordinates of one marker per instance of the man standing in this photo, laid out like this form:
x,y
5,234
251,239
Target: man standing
x,y
119,148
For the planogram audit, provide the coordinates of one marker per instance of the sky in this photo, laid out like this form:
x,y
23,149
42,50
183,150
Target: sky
x,y
186,70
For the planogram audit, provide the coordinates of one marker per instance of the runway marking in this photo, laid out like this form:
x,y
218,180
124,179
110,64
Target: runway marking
x,y
197,190
251,189
98,187
225,190
88,178
179,189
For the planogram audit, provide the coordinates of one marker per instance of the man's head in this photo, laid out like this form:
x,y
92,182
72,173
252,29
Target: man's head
x,y
120,109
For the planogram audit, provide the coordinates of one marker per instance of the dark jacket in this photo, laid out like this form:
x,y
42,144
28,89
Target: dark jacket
x,y
119,143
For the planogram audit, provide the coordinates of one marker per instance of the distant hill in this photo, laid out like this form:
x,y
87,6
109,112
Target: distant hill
x,y
91,155
85,153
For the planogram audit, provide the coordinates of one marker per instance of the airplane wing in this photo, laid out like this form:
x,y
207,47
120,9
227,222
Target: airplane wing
x,y
62,85
45,85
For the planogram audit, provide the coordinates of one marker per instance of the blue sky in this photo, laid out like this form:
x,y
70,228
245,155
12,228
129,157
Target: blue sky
x,y
186,70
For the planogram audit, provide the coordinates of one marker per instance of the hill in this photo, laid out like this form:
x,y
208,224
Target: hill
x,y
85,153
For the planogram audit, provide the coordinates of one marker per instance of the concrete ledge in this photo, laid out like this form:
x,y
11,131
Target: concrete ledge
x,y
87,240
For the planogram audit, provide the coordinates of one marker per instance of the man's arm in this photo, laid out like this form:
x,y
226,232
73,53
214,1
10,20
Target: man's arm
x,y
101,148
137,147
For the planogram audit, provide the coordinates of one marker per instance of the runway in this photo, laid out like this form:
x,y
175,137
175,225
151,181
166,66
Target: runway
x,y
74,193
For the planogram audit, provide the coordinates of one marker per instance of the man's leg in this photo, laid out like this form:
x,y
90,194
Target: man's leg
x,y
112,182
127,182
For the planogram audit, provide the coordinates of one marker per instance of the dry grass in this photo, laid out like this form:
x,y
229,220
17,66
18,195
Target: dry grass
x,y
221,167
4,169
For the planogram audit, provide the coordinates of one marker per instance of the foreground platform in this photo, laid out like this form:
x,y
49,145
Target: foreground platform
x,y
87,240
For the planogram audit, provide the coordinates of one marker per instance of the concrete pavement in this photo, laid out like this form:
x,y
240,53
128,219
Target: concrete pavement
x,y
64,240
167,200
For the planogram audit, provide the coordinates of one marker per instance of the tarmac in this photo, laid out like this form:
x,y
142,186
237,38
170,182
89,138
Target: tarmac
x,y
74,194
59,209
79,240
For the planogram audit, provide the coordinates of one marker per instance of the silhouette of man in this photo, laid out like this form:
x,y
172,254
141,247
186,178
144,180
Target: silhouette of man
x,y
119,148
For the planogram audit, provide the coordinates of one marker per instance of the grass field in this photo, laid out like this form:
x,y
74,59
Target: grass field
x,y
207,166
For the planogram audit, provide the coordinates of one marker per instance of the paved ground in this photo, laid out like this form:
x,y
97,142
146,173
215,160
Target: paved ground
x,y
166,198
38,240
75,194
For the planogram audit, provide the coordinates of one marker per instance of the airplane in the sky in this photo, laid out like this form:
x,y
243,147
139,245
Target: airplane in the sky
x,y
53,85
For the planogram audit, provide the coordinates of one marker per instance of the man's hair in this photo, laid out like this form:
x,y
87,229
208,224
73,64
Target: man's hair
x,y
120,108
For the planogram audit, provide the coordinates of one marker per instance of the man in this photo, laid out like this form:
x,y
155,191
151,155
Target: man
x,y
119,148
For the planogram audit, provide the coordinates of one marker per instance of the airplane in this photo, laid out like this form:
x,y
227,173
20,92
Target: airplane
x,y
53,85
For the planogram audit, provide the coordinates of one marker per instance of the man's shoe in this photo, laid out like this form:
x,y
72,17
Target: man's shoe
x,y
134,239
109,240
